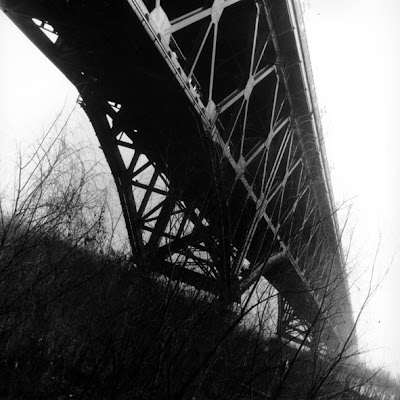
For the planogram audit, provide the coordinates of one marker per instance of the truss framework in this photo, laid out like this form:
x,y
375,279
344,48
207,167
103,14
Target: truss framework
x,y
261,212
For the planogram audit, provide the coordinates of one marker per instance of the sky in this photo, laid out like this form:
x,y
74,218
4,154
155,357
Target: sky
x,y
355,52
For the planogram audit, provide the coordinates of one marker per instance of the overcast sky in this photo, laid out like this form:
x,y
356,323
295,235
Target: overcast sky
x,y
355,50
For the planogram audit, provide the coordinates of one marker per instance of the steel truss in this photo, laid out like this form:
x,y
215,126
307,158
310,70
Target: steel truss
x,y
249,198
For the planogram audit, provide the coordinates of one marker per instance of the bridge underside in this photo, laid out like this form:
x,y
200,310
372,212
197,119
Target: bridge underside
x,y
206,116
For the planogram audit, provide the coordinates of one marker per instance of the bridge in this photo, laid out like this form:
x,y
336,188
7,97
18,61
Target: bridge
x,y
207,115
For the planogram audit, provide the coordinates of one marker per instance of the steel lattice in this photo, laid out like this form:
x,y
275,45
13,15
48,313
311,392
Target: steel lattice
x,y
203,111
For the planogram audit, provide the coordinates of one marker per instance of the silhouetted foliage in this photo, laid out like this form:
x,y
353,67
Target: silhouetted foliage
x,y
79,320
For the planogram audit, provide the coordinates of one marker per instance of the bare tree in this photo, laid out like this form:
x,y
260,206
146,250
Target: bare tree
x,y
79,320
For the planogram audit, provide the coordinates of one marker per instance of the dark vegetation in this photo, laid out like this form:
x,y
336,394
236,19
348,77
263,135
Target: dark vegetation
x,y
75,324
78,320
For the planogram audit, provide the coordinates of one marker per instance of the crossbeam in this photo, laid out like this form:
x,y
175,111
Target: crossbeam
x,y
210,126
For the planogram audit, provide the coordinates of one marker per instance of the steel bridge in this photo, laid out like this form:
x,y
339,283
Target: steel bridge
x,y
207,115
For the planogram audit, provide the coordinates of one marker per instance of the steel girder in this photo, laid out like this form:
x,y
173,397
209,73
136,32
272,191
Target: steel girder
x,y
203,112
